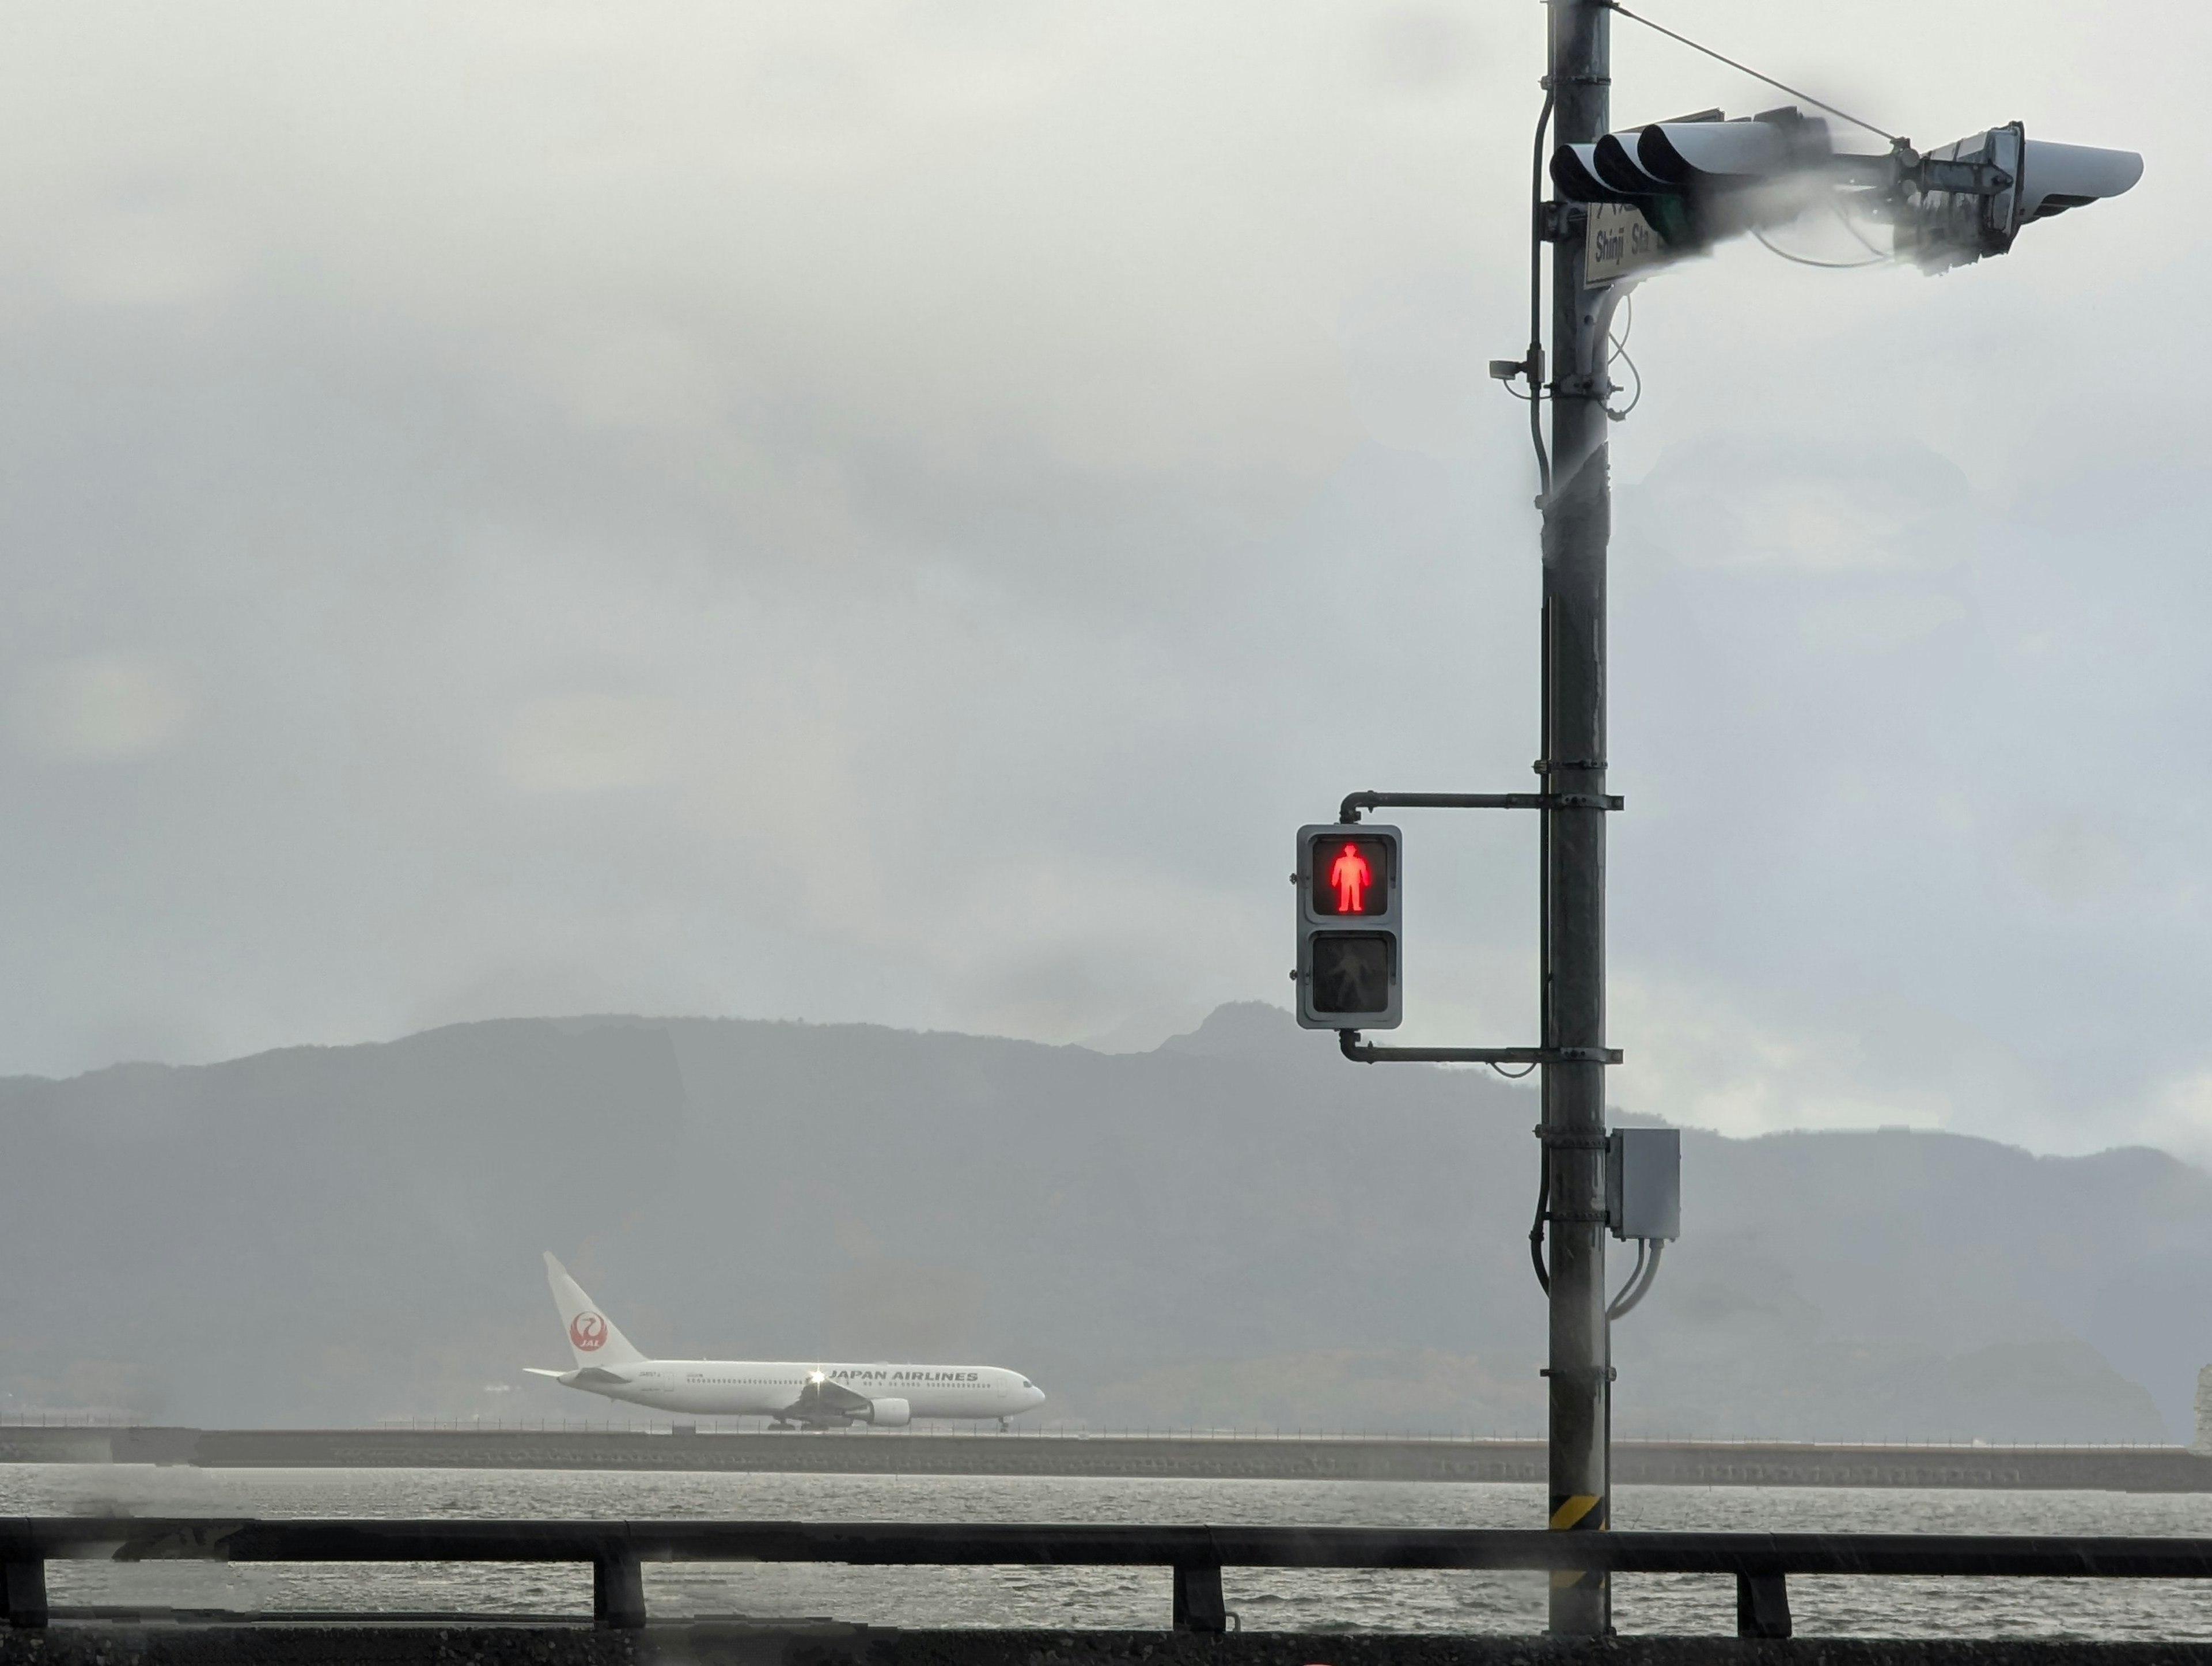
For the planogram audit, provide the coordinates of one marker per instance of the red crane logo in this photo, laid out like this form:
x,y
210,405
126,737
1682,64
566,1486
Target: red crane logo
x,y
1351,875
588,1332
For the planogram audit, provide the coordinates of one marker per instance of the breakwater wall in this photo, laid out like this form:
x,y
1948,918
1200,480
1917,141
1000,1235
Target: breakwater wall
x,y
1254,1457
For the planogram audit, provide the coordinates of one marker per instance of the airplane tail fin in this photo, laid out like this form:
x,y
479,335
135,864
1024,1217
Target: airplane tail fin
x,y
592,1337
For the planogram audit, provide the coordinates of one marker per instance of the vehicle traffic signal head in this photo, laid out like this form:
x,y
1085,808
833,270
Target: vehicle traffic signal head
x,y
1348,889
1940,228
1703,179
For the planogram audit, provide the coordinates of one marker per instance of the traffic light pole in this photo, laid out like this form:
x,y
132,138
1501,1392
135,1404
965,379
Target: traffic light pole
x,y
1577,516
1692,174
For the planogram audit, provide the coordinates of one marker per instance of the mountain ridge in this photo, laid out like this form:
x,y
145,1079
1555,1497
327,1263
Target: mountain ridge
x,y
332,1233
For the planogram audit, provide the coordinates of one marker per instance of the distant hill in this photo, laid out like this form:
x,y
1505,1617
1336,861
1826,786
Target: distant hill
x,y
1237,1228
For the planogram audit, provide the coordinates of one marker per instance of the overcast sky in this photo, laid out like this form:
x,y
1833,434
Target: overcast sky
x,y
897,511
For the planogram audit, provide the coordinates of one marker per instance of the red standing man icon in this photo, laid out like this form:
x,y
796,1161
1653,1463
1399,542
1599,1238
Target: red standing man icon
x,y
1351,876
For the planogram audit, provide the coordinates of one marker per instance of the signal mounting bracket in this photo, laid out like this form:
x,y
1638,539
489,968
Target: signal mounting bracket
x,y
1348,813
1360,1052
1558,221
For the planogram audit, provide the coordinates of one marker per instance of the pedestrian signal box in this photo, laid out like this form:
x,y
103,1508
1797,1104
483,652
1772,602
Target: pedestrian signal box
x,y
1348,890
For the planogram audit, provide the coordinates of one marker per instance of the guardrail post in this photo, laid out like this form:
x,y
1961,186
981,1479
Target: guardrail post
x,y
1198,1603
1762,1605
23,1593
618,1592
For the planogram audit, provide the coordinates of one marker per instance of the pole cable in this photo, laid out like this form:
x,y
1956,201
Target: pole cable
x,y
1535,360
1858,236
1620,346
1639,1284
1543,1209
1544,716
1806,260
1614,1308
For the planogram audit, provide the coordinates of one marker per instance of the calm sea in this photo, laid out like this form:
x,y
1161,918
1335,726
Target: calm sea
x,y
1292,1601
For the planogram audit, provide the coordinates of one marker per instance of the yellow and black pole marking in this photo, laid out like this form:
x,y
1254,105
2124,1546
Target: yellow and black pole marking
x,y
1578,1513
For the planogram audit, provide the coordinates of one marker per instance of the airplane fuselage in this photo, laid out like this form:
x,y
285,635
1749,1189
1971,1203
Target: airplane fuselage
x,y
882,1395
756,1388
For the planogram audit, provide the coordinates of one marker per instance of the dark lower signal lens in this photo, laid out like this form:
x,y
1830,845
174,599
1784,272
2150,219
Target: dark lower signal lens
x,y
1350,972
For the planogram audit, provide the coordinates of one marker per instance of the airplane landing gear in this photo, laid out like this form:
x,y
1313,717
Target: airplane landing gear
x,y
1002,1425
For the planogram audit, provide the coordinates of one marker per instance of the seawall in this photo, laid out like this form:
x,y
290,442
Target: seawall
x,y
1342,1457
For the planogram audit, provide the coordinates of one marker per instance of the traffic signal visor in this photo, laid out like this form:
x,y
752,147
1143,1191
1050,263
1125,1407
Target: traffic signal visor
x,y
1701,181
1941,230
2054,177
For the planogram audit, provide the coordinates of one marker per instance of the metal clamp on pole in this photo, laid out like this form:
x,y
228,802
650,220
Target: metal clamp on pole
x,y
1581,1373
1360,1052
1356,802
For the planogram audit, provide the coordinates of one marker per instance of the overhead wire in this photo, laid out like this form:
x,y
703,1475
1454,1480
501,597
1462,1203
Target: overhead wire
x,y
1784,86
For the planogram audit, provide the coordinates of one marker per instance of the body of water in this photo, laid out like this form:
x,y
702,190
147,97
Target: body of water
x,y
1294,1600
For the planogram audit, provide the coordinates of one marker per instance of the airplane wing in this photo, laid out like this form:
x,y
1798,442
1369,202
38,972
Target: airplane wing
x,y
820,1396
584,1377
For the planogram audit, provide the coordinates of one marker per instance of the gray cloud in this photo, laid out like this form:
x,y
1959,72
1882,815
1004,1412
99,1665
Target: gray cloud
x,y
896,514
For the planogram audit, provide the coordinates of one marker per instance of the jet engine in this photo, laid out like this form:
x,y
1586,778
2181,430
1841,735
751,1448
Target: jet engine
x,y
823,1403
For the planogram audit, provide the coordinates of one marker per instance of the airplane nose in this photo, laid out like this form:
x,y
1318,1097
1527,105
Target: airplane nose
x,y
1037,1395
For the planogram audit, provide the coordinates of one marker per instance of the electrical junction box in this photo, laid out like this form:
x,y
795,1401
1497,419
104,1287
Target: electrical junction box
x,y
1643,1182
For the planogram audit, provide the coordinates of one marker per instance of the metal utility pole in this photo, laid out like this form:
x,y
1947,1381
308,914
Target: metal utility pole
x,y
1578,521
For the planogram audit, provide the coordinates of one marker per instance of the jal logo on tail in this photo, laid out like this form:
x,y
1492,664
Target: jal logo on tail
x,y
588,1332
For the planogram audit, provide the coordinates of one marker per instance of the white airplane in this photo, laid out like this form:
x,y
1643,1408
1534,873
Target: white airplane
x,y
821,1397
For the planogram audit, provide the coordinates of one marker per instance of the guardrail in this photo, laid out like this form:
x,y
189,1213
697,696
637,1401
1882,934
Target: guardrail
x,y
1761,1562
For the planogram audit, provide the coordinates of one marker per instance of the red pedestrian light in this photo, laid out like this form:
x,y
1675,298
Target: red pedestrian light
x,y
1349,874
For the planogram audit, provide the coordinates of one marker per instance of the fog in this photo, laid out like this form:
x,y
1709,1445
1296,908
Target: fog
x,y
895,513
